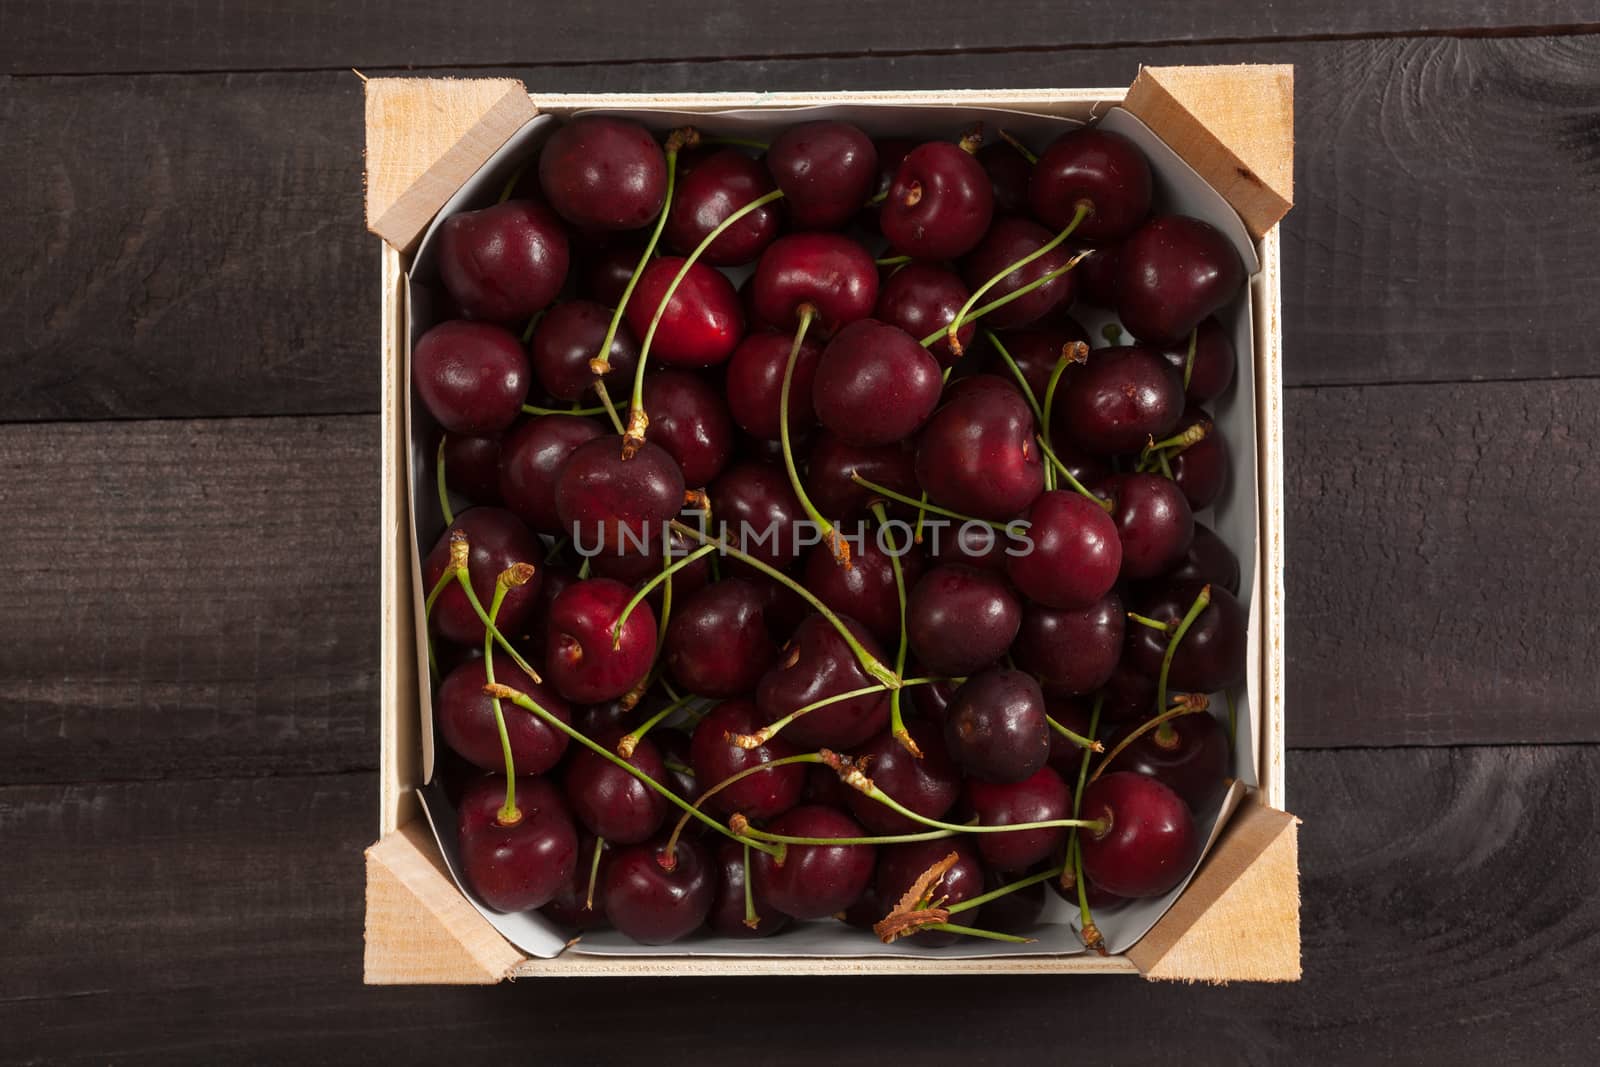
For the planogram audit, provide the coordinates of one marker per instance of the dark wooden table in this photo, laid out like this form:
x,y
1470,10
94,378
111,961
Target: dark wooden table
x,y
189,448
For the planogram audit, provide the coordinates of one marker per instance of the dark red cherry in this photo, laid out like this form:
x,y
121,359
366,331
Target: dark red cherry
x,y
1211,656
611,717
815,881
824,787
929,786
1066,757
754,384
932,701
1042,798
568,336
1037,350
524,865
1149,844
1189,754
899,867
755,505
826,171
1120,399
961,619
603,173
1214,361
970,544
1009,240
995,728
607,270
817,664
497,540
689,419
1097,276
656,906
939,204
1074,553
715,758
530,459
718,644
713,189
728,910
471,376
1072,650
674,746
1172,273
865,590
1094,166
875,384
608,800
830,273
1009,172
530,636
1154,523
833,460
632,568
581,659
1209,561
703,321
783,608
505,262
923,298
465,715
613,504
1201,469
978,455
572,906
891,151
472,467
1129,694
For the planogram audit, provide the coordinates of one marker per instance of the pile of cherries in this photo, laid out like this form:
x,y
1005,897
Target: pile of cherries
x,y
861,589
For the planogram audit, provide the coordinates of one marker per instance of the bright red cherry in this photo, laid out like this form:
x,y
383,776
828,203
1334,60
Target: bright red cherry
x,y
703,321
978,455
754,384
582,659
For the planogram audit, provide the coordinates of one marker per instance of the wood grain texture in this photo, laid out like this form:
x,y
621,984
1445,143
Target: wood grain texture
x,y
189,598
80,36
227,917
1448,206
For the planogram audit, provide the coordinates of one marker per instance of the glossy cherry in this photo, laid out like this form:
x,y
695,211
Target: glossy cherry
x,y
1154,523
1043,797
1096,167
875,384
1189,754
814,881
939,204
727,916
825,271
652,904
608,800
817,664
754,384
1072,650
471,376
690,420
718,643
603,173
1201,469
995,729
1075,556
833,460
503,263
715,757
1214,361
755,505
866,589
1150,844
929,786
714,188
571,907
465,715
924,298
1009,240
523,865
1172,273
472,467
899,867
1211,656
530,459
580,659
1209,561
568,336
978,456
703,321
1121,399
826,170
961,619
497,539
614,504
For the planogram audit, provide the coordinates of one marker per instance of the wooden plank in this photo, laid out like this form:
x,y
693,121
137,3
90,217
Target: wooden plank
x,y
1444,228
226,916
79,36
189,598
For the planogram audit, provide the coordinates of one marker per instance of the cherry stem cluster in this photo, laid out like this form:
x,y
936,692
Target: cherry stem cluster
x,y
836,543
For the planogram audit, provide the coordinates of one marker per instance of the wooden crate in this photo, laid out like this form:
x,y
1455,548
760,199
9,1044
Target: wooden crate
x,y
1239,918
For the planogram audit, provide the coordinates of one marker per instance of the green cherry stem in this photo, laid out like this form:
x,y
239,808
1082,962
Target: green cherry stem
x,y
630,741
1188,360
670,850
1011,140
1187,705
1082,213
594,872
987,935
836,544
772,729
1061,469
515,575
1016,372
533,322
1076,738
444,492
1091,933
493,630
1202,600
1166,468
897,725
1154,624
1112,333
892,261
645,590
1005,890
531,409
1074,352
853,776
922,505
751,919
456,569
511,183
881,839
1001,301
601,363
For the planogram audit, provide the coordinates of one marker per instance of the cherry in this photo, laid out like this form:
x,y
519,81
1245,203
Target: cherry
x,y
603,173
472,467
690,420
471,376
1209,561
933,700
613,504
611,718
826,170
875,384
1038,349
702,323
784,608
817,664
939,204
970,544
717,643
728,911
1072,651
1214,361
891,152
529,637
523,865
715,757
754,384
497,540
814,881
606,269
1096,167
1154,523
995,728
505,262
827,272
1201,469
1009,173
978,456
713,189
1097,276
1172,273
580,657
1129,693
1120,399
756,505
929,786
612,803
1018,911
652,904
571,907
1189,754
865,590
1150,844
530,458
1076,552
900,866
1066,756
960,619
1042,798
1211,656
465,715
568,336
924,298
833,460
1009,240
